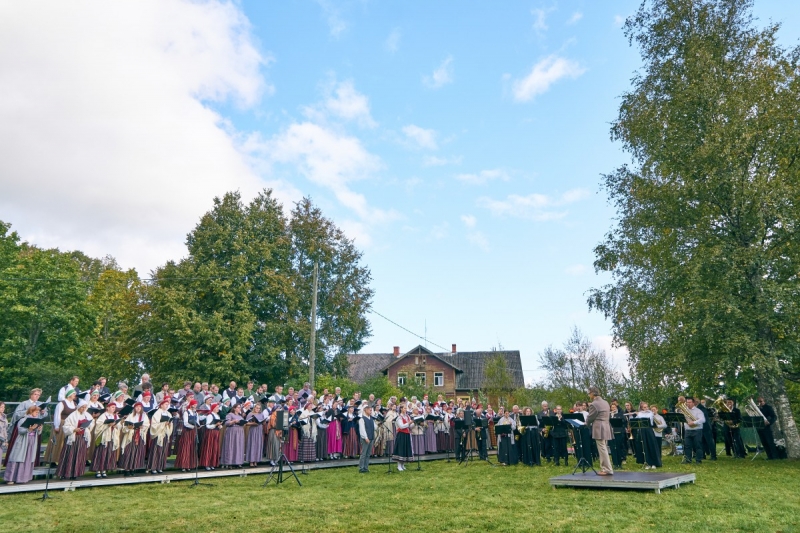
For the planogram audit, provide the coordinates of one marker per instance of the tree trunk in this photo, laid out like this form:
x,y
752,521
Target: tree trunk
x,y
772,387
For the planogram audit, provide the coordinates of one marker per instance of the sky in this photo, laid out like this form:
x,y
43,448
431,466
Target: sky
x,y
460,144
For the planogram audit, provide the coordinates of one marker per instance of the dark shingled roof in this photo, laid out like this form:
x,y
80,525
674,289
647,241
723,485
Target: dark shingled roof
x,y
363,366
470,364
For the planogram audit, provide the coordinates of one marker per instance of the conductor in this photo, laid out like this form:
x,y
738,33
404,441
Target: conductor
x,y
599,414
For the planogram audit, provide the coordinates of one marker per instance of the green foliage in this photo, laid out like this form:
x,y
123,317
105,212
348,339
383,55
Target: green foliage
x,y
381,387
498,381
704,255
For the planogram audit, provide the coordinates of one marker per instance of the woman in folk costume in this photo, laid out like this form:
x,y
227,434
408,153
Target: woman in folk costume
x,y
418,443
186,457
158,441
106,440
402,441
388,429
506,450
148,401
307,451
322,433
443,432
233,442
254,435
19,412
118,399
96,408
430,431
77,430
335,442
64,409
350,446
274,435
23,452
209,449
490,416
293,439
133,441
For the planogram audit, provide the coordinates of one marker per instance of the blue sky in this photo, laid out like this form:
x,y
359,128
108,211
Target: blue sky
x,y
460,144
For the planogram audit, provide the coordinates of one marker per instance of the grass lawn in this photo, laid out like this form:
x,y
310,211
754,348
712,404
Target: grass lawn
x,y
730,495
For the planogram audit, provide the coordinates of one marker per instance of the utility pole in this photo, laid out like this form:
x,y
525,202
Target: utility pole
x,y
312,357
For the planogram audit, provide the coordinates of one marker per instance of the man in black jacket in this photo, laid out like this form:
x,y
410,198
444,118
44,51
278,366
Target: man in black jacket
x,y
709,442
766,436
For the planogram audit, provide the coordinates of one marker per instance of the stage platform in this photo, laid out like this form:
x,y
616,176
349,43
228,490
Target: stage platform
x,y
624,480
377,464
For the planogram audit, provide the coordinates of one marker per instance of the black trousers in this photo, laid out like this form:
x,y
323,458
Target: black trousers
x,y
483,438
709,443
461,445
560,450
547,447
768,442
693,445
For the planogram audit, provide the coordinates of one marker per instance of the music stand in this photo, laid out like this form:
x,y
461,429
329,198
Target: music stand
x,y
530,423
640,424
676,421
617,423
480,425
46,496
466,455
755,423
573,419
196,482
283,422
500,430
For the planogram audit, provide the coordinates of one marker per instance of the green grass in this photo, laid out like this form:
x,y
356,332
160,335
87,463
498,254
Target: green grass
x,y
729,496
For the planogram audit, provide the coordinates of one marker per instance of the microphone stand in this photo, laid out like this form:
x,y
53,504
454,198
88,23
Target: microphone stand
x,y
196,482
46,496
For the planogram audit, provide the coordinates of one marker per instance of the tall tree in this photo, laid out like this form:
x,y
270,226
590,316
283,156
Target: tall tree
x,y
704,254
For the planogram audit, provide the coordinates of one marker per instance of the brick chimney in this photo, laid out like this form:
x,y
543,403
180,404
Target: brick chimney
x,y
397,351
454,349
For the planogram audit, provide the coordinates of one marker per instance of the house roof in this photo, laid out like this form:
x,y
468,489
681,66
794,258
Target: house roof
x,y
469,366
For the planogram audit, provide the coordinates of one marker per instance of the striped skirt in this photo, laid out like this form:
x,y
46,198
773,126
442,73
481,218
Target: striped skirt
x,y
322,444
307,451
186,456
273,446
72,461
157,455
105,458
351,444
132,457
209,449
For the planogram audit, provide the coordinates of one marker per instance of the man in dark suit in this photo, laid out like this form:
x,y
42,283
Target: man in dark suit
x,y
767,438
547,442
599,416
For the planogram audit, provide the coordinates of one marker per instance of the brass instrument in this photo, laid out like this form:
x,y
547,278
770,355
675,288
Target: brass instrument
x,y
546,431
684,410
753,410
721,407
627,418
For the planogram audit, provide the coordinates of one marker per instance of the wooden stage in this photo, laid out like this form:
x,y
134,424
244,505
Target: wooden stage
x,y
377,464
624,480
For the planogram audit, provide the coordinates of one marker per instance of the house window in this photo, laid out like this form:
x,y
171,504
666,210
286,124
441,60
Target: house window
x,y
438,379
420,378
401,378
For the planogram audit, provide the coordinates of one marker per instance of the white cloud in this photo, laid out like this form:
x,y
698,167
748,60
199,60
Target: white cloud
x,y
540,19
441,76
469,220
619,20
393,40
433,161
109,145
539,207
478,239
575,18
576,270
619,355
543,74
328,158
440,231
333,17
484,176
345,102
421,137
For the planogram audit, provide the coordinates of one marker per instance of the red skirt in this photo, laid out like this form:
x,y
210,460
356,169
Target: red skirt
x,y
209,450
105,458
157,455
351,444
186,456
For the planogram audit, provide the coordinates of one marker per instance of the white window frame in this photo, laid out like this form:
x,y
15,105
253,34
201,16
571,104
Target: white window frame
x,y
438,379
402,377
421,378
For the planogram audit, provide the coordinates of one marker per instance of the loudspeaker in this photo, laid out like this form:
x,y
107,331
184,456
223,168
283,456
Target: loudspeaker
x,y
282,420
468,418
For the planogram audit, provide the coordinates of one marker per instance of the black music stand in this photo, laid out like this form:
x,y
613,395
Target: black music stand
x,y
480,425
617,423
574,419
729,420
500,430
420,423
283,421
640,424
196,482
676,422
46,496
755,423
530,423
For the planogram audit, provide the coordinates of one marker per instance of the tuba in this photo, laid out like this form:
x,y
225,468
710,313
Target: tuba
x,y
682,408
721,407
752,410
